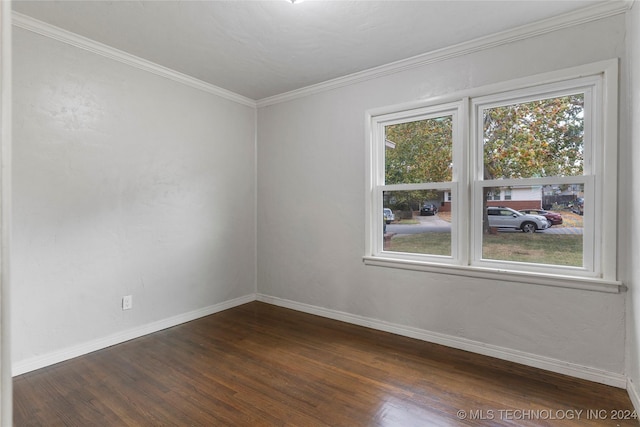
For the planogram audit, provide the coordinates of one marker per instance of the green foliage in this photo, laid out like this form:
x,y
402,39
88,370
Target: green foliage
x,y
535,139
531,139
422,151
410,200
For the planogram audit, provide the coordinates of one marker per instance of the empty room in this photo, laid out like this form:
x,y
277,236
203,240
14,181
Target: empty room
x,y
320,213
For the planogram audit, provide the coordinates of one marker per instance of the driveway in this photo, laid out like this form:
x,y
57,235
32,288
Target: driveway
x,y
427,224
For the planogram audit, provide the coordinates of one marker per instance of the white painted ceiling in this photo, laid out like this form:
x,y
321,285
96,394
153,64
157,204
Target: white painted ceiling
x,y
263,48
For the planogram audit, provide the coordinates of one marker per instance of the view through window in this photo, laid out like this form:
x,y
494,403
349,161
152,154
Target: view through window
x,y
419,152
524,141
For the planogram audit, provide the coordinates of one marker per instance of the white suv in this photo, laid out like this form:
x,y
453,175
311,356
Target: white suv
x,y
388,215
502,217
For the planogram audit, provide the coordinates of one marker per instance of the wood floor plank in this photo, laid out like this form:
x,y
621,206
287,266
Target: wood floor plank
x,y
262,365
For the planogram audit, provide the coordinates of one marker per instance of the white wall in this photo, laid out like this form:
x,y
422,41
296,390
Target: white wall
x,y
311,213
531,193
125,182
631,226
6,383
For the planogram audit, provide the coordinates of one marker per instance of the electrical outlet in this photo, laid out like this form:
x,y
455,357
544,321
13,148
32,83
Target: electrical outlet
x,y
127,302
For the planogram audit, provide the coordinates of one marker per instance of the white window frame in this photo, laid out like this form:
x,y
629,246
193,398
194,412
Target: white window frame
x,y
599,272
590,87
427,112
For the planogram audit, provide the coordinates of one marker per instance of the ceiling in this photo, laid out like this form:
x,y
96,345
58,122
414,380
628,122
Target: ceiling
x,y
264,48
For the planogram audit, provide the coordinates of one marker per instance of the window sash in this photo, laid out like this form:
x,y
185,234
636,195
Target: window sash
x,y
590,87
590,265
378,237
587,86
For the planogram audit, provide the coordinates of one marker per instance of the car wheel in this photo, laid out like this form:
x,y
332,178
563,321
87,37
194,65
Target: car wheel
x,y
388,222
529,227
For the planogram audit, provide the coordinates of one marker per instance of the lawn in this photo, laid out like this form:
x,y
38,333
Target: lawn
x,y
555,249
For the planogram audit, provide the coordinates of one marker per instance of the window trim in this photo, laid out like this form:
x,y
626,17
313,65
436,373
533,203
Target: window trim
x,y
590,86
453,109
463,264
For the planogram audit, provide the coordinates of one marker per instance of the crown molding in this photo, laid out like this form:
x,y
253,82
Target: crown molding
x,y
589,14
56,33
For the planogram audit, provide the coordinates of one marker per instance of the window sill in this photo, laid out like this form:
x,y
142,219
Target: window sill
x,y
571,282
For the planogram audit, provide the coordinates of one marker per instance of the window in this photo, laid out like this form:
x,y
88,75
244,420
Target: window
x,y
415,157
516,179
493,194
528,141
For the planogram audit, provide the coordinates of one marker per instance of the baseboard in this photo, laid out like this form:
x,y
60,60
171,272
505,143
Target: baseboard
x,y
528,359
634,394
52,358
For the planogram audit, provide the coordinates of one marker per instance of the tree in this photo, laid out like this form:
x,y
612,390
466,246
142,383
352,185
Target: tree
x,y
422,153
535,139
524,140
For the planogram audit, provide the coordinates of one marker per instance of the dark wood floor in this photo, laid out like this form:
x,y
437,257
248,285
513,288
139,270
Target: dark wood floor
x,y
261,365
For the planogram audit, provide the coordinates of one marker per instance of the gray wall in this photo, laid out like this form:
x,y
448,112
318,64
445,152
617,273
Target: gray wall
x,y
128,183
630,225
125,182
311,160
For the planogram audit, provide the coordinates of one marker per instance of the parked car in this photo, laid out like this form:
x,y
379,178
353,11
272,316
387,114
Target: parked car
x,y
553,217
388,215
502,217
428,209
577,207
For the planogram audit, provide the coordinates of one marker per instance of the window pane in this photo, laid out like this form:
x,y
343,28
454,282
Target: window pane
x,y
421,222
419,151
540,224
534,139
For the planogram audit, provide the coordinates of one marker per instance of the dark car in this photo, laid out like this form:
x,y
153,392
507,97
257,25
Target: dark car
x,y
553,217
428,209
